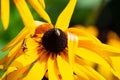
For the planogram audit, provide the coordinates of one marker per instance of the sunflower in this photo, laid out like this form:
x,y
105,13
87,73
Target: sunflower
x,y
54,52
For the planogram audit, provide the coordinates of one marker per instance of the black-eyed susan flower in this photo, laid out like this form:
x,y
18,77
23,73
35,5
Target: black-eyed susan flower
x,y
5,12
113,40
55,52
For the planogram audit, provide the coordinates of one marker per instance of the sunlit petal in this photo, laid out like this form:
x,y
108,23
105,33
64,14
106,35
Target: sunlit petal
x,y
82,75
16,73
64,68
116,64
9,70
90,75
39,66
64,18
102,49
25,32
94,73
5,12
52,73
12,54
35,4
93,57
82,35
105,72
110,50
72,47
15,49
17,39
90,29
25,59
42,27
25,14
42,2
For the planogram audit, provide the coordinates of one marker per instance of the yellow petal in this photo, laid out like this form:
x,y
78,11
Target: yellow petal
x,y
5,12
25,14
72,47
93,30
24,60
83,35
102,49
64,18
42,27
17,39
15,49
15,74
113,42
90,75
24,33
64,68
105,72
116,64
12,54
90,29
35,4
93,57
42,2
80,73
52,68
110,50
29,56
38,70
9,70
76,77
96,74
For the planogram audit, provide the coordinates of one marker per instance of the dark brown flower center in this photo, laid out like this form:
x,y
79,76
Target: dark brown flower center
x,y
54,40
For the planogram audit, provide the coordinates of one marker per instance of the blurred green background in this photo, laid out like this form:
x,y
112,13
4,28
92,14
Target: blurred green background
x,y
87,12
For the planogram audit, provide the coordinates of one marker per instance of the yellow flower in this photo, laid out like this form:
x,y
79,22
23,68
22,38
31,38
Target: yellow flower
x,y
57,53
5,12
113,40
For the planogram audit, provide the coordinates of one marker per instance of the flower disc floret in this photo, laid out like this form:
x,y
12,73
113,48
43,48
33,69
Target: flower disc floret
x,y
54,40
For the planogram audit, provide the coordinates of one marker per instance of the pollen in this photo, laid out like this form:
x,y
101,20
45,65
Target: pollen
x,y
54,40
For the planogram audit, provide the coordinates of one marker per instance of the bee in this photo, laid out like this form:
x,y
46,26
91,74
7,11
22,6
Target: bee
x,y
24,46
